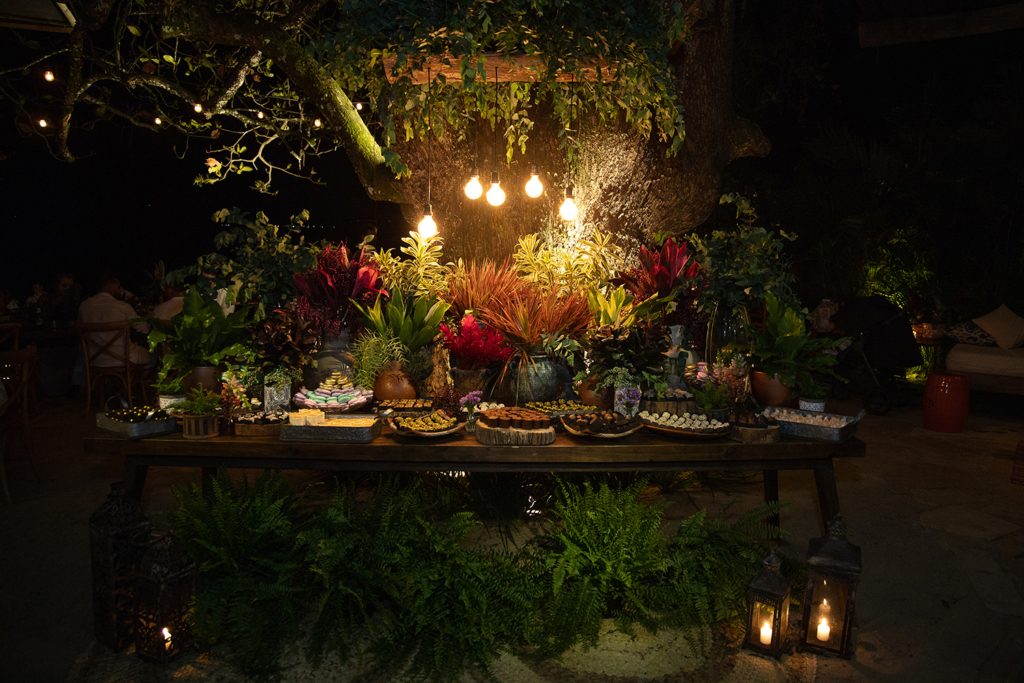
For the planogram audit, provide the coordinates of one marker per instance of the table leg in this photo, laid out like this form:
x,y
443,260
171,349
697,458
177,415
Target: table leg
x,y
208,474
771,492
134,477
828,494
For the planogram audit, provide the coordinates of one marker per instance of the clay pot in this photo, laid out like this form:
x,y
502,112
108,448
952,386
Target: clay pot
x,y
771,392
604,400
206,376
395,384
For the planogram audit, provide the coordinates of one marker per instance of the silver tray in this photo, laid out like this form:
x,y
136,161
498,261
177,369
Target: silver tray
x,y
816,432
137,430
334,433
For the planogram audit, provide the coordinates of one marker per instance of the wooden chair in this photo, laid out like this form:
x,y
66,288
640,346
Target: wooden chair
x,y
9,336
17,371
109,341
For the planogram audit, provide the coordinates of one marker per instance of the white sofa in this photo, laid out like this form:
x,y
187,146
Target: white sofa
x,y
989,368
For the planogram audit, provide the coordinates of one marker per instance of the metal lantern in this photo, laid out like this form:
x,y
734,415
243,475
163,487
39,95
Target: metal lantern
x,y
833,570
164,584
114,532
768,609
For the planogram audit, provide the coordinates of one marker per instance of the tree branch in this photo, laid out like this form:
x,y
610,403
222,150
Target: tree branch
x,y
236,82
193,20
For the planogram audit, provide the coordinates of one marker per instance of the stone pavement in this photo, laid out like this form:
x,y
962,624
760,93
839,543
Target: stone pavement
x,y
940,525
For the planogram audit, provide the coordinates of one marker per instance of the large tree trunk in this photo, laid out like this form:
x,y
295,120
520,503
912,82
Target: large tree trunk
x,y
622,184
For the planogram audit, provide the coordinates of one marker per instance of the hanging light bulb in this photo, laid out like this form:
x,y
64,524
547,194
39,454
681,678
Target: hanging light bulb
x,y
534,188
495,195
359,106
473,188
427,226
568,210
48,75
198,107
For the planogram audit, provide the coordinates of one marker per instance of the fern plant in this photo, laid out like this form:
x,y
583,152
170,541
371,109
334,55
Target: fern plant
x,y
250,587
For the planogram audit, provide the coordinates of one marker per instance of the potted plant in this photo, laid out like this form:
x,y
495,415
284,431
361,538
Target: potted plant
x,y
169,390
786,354
282,344
476,349
541,328
413,322
234,400
812,394
199,414
197,340
325,296
714,401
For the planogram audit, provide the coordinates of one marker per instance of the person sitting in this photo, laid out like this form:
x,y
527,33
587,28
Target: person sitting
x,y
64,303
39,299
106,306
172,305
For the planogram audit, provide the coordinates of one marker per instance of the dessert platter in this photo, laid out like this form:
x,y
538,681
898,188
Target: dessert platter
x,y
673,401
813,425
561,407
605,424
427,425
514,427
406,404
137,423
312,424
687,426
260,424
336,394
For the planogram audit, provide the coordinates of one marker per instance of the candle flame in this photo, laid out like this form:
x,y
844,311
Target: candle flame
x,y
824,622
765,625
824,602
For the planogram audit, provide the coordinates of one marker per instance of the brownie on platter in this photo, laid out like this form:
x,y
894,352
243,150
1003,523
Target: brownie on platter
x,y
604,422
515,418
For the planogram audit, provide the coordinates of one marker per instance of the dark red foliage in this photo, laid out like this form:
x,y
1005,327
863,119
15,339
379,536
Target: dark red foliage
x,y
475,346
325,293
659,272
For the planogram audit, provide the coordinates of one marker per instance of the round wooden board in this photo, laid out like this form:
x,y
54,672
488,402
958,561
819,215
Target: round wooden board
x,y
424,435
685,435
510,436
575,432
769,434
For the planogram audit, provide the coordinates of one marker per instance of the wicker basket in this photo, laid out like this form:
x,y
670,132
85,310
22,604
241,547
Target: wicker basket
x,y
200,426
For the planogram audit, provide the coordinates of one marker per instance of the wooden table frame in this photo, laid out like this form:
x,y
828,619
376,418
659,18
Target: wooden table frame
x,y
641,452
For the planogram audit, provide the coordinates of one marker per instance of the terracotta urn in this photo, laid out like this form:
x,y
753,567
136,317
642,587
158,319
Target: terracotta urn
x,y
604,399
770,391
394,384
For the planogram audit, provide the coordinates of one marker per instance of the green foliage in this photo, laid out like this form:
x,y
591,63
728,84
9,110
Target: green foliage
x,y
372,353
201,402
713,396
743,266
787,349
414,323
169,386
252,588
570,267
255,261
639,351
602,563
421,274
201,335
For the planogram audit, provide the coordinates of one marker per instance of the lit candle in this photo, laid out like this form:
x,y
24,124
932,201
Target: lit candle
x,y
823,631
766,634
167,639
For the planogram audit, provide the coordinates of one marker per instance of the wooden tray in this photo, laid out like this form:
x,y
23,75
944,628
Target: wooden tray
x,y
769,434
685,435
273,430
513,436
423,435
600,436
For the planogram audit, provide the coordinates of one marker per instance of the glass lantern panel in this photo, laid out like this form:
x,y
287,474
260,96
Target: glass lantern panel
x,y
828,614
762,621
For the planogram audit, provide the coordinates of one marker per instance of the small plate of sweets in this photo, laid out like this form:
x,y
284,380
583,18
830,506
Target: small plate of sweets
x,y
514,427
605,424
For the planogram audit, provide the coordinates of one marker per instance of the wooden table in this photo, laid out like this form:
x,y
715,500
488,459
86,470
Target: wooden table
x,y
644,451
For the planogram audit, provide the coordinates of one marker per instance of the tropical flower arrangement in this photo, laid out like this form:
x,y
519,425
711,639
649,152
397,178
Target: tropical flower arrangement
x,y
474,346
327,293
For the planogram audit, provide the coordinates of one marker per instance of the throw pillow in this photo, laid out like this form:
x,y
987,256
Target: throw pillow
x,y
1004,325
966,332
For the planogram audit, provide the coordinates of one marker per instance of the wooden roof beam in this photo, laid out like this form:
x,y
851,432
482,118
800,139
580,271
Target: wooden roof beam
x,y
520,68
942,26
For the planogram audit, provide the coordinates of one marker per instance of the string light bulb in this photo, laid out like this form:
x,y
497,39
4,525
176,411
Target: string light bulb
x,y
473,188
157,121
316,123
259,115
42,123
359,106
427,226
495,195
48,75
568,211
198,107
534,188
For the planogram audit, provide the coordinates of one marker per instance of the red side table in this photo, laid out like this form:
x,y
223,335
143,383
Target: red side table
x,y
946,400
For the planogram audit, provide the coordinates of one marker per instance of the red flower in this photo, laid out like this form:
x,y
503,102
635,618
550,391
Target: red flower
x,y
475,346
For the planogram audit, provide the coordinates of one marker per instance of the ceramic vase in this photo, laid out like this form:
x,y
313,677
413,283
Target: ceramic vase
x,y
770,391
276,399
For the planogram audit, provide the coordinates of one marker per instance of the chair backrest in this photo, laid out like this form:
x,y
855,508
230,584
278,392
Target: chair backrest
x,y
16,371
9,335
105,344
